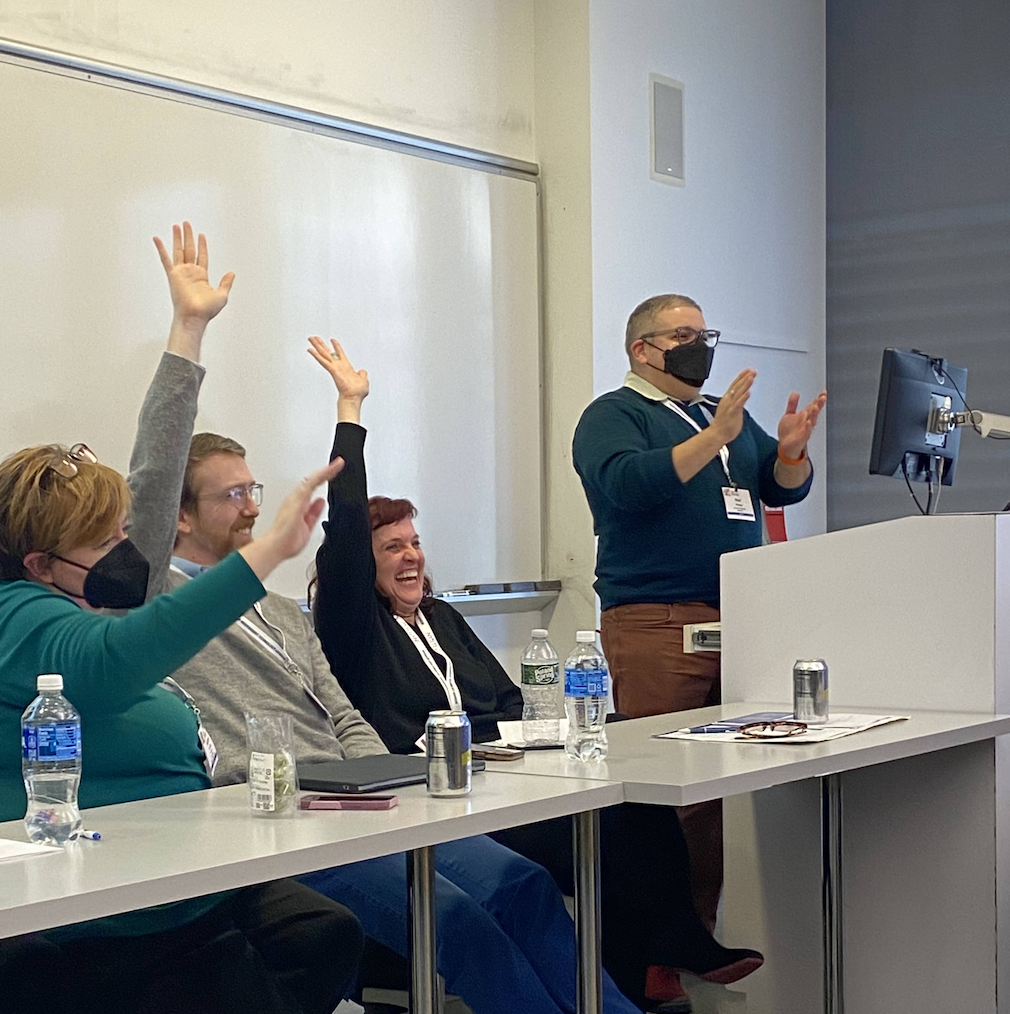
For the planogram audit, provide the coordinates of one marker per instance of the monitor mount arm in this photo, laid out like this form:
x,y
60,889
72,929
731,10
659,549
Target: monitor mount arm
x,y
987,424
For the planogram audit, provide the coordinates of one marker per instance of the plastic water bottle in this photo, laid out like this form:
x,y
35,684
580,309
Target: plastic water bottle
x,y
51,764
586,699
540,679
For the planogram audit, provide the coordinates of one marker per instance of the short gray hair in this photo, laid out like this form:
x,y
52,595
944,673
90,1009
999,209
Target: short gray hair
x,y
643,317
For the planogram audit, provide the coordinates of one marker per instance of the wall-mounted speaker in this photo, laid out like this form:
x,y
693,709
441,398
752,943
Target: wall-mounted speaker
x,y
666,114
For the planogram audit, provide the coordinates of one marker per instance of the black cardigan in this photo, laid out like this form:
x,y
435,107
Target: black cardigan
x,y
369,652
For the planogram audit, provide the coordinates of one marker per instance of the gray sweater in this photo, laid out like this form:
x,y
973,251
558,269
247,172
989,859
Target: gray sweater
x,y
232,675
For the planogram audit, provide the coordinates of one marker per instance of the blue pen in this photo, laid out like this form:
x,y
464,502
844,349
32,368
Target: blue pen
x,y
92,835
700,730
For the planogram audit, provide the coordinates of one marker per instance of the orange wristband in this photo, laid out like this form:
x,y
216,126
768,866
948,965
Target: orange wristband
x,y
792,461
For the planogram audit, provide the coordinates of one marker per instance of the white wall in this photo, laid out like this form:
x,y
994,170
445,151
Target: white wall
x,y
457,70
745,235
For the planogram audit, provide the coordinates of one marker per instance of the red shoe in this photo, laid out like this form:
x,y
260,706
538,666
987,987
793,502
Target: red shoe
x,y
741,961
664,992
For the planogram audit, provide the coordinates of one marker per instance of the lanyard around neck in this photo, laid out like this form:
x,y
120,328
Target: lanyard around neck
x,y
447,680
276,647
279,649
723,451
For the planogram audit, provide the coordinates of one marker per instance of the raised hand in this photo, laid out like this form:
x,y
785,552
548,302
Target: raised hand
x,y
351,383
795,426
194,300
294,523
728,419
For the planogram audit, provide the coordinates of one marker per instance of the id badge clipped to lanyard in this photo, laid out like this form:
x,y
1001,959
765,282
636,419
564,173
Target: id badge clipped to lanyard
x,y
206,743
737,501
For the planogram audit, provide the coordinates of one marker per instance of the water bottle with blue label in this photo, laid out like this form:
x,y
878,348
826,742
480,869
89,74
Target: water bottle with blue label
x,y
51,764
586,699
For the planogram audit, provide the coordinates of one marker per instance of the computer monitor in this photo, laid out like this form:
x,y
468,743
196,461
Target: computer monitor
x,y
911,384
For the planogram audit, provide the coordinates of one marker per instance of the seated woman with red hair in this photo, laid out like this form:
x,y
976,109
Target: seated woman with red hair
x,y
400,654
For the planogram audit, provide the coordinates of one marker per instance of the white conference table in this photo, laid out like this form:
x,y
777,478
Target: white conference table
x,y
170,848
175,847
677,773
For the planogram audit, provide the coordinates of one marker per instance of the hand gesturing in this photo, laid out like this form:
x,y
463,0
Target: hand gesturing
x,y
795,426
351,383
193,297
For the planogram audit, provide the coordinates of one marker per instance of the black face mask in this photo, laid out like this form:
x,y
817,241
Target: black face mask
x,y
688,363
117,581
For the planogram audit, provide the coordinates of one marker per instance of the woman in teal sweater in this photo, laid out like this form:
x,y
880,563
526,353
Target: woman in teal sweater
x,y
64,555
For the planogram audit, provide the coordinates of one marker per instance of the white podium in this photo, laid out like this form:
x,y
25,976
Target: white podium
x,y
908,614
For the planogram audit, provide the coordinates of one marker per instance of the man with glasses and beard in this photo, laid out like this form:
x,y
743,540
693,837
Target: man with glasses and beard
x,y
674,479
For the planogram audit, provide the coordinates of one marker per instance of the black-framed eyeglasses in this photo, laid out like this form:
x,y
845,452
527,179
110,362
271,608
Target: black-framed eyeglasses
x,y
238,495
685,336
65,464
772,730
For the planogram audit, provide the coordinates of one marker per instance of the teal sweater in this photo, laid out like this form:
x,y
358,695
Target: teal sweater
x,y
660,539
137,739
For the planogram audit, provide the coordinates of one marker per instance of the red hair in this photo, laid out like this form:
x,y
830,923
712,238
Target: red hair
x,y
384,511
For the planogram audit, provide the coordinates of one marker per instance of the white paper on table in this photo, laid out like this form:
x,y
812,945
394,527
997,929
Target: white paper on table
x,y
23,849
835,728
511,733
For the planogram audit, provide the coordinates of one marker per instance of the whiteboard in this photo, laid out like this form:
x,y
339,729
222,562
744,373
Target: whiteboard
x,y
426,271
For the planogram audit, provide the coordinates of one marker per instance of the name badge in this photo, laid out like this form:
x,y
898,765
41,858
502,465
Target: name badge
x,y
739,506
209,751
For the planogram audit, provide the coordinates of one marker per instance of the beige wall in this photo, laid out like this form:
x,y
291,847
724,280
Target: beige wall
x,y
563,151
457,70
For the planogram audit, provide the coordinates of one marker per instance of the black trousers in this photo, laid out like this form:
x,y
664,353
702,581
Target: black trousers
x,y
277,948
648,913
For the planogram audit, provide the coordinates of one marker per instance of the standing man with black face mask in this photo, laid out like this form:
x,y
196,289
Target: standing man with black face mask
x,y
674,479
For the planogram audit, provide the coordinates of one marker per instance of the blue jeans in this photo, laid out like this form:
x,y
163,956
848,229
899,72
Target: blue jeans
x,y
505,941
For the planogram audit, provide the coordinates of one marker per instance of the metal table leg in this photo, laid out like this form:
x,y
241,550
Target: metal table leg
x,y
425,995
831,892
589,987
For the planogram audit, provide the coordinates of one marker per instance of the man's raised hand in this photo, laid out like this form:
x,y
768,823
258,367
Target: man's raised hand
x,y
795,427
728,419
194,300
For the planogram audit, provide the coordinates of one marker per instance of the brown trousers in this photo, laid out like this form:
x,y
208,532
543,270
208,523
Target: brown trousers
x,y
644,646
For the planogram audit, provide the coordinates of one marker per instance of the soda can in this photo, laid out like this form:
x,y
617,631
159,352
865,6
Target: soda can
x,y
447,744
810,691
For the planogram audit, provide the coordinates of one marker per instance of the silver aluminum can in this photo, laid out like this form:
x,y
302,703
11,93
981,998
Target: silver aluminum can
x,y
810,691
447,744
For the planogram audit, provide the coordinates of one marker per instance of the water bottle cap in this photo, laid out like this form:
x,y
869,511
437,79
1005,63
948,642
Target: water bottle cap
x,y
49,681
586,637
538,633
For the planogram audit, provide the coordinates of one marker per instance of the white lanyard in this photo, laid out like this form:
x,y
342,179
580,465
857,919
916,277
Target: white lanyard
x,y
206,743
447,680
279,650
723,451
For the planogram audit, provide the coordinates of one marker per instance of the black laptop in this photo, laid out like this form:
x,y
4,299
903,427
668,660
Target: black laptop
x,y
366,774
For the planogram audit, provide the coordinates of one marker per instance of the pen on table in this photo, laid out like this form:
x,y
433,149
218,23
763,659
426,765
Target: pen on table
x,y
700,730
92,835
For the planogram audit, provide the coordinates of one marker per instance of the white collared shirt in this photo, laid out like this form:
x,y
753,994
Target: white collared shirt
x,y
641,386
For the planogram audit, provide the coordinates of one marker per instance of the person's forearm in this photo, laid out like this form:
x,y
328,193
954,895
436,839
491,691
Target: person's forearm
x,y
792,476
262,556
186,336
690,457
349,410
